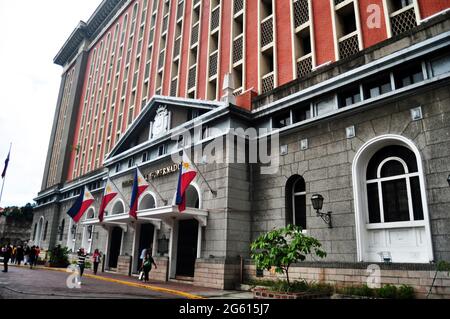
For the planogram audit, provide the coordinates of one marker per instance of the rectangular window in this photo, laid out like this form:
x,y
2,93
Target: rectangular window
x,y
282,120
395,201
440,65
408,75
378,87
349,97
302,113
162,150
325,106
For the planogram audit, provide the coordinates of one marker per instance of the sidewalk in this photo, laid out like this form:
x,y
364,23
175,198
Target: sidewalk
x,y
188,291
208,293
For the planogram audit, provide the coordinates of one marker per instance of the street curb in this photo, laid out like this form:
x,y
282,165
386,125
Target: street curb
x,y
126,283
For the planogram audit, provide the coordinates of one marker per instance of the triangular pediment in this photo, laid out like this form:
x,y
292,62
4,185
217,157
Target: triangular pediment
x,y
157,118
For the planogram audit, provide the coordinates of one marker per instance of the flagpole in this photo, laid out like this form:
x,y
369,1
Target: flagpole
x,y
4,179
117,188
200,173
160,196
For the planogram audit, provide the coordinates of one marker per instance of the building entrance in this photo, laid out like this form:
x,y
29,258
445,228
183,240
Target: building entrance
x,y
187,247
114,248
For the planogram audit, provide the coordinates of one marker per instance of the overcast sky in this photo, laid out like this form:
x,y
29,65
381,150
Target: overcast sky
x,y
31,33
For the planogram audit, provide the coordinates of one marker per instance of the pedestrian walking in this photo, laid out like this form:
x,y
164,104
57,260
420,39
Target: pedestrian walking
x,y
96,258
13,255
19,255
141,257
7,252
31,256
81,261
147,266
27,255
37,251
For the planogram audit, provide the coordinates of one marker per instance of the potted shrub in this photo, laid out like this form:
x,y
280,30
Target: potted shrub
x,y
59,257
277,251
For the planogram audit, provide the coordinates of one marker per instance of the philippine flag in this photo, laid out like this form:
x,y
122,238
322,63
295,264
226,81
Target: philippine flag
x,y
84,201
139,186
187,175
110,193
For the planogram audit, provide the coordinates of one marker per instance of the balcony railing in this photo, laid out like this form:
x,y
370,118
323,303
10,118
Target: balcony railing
x,y
348,45
267,31
268,82
215,18
238,6
301,12
238,48
194,36
403,20
213,58
304,66
192,77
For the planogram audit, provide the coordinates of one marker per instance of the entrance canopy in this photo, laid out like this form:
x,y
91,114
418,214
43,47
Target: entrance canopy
x,y
155,216
168,214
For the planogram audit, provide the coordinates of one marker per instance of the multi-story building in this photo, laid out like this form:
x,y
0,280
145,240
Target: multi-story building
x,y
356,92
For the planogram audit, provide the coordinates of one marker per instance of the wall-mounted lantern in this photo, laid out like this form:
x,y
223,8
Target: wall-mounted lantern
x,y
317,202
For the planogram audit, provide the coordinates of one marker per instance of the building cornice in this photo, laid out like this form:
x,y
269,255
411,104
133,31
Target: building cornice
x,y
88,30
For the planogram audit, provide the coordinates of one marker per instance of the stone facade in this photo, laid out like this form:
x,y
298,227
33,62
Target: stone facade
x,y
241,203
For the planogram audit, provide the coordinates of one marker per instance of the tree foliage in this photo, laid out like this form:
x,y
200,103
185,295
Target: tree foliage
x,y
22,213
281,248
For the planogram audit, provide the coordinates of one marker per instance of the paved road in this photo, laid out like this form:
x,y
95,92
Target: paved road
x,y
23,283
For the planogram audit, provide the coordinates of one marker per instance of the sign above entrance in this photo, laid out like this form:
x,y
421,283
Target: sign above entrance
x,y
156,174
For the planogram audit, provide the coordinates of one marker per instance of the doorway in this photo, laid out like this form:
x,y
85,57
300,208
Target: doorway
x,y
114,250
187,247
145,241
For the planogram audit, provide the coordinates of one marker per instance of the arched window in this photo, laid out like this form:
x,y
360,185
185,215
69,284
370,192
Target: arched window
x,y
147,202
34,231
393,187
45,230
118,208
90,214
296,201
192,197
61,231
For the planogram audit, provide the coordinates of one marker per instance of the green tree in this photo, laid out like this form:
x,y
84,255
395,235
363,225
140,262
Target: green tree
x,y
281,248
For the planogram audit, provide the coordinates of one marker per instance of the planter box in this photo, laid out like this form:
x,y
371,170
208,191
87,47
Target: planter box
x,y
264,293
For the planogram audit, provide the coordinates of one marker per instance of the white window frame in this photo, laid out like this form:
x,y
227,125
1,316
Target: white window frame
x,y
379,181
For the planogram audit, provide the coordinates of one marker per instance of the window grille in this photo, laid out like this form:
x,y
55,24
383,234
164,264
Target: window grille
x,y
176,48
213,64
304,66
165,23
238,49
238,6
268,83
403,21
173,87
215,19
348,45
161,60
301,12
180,10
194,36
192,77
266,32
